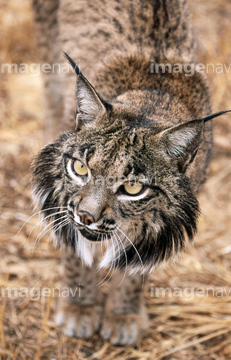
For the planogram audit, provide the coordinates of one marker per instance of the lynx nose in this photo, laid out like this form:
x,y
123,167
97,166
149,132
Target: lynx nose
x,y
85,217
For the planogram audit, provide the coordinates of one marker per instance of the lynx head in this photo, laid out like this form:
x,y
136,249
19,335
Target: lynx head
x,y
121,178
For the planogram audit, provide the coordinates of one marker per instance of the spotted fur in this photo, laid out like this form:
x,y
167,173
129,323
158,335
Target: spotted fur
x,y
132,124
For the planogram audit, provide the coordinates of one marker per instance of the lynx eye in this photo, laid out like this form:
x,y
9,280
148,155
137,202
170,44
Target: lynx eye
x,y
132,188
79,168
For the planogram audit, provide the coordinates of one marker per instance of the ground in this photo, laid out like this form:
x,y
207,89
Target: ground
x,y
192,319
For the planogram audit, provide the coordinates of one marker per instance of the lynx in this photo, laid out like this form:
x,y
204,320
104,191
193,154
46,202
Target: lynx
x,y
119,186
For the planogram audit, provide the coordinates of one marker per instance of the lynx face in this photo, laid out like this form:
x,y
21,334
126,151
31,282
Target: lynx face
x,y
121,179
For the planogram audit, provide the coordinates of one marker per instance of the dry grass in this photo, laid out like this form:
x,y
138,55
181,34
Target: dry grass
x,y
181,327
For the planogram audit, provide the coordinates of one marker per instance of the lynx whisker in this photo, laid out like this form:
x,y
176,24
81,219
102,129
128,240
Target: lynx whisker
x,y
42,233
60,225
126,259
141,262
44,219
108,276
57,228
114,267
47,228
117,255
37,213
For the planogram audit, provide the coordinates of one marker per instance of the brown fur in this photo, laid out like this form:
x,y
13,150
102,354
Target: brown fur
x,y
141,123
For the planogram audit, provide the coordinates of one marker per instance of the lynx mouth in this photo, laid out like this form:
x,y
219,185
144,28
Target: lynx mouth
x,y
94,236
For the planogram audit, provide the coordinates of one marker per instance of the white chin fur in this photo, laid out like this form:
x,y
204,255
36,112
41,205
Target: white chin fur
x,y
108,258
85,250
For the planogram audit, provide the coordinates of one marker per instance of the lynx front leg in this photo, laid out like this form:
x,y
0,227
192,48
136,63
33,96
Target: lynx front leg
x,y
125,318
80,312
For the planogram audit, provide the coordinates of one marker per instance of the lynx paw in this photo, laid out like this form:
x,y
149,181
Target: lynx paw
x,y
123,329
79,321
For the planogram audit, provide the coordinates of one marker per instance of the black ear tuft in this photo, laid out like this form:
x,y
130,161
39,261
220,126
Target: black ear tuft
x,y
72,63
210,117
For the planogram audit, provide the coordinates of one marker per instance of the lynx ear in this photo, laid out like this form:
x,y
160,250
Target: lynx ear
x,y
181,142
90,107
